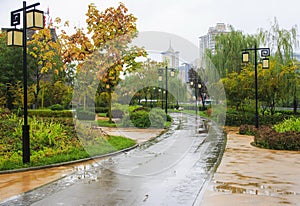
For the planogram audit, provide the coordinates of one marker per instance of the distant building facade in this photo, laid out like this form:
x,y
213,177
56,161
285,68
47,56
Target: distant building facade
x,y
173,60
208,41
184,72
171,57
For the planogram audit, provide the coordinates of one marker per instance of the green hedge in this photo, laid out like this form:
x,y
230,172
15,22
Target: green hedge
x,y
237,119
85,115
50,113
117,113
101,110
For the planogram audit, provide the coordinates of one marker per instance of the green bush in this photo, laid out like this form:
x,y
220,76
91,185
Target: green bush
x,y
144,118
147,109
291,124
49,113
117,113
267,137
158,118
57,107
85,115
140,118
246,129
234,118
101,110
126,122
237,119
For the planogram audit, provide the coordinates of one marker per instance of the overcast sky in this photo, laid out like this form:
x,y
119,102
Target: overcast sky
x,y
186,18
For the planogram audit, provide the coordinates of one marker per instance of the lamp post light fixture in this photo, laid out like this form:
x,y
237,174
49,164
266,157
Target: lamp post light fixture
x,y
196,86
265,52
160,78
33,19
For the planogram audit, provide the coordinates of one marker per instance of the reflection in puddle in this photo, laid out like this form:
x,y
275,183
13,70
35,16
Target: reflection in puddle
x,y
250,188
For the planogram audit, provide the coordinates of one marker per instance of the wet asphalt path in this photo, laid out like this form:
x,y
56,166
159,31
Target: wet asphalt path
x,y
172,170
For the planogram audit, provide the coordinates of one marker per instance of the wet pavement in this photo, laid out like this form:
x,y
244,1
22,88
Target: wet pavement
x,y
252,176
172,169
16,183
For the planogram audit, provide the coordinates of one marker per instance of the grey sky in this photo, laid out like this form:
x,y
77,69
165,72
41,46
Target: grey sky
x,y
188,19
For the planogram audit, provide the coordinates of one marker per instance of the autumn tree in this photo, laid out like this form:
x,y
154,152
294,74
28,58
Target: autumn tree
x,y
45,51
107,53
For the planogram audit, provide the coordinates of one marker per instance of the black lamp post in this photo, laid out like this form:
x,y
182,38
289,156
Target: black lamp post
x,y
195,83
32,19
160,77
265,52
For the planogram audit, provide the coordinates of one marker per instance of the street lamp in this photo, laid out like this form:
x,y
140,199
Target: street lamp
x,y
197,86
33,19
160,78
265,52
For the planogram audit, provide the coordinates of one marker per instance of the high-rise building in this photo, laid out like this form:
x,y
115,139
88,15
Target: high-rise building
x,y
171,57
208,41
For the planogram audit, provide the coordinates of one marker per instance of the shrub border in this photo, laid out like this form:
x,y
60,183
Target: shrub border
x,y
266,137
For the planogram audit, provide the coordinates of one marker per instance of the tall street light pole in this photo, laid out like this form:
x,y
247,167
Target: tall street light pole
x,y
160,71
197,86
265,52
33,19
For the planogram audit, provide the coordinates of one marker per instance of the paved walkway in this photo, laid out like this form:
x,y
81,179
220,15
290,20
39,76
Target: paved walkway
x,y
16,183
252,176
246,175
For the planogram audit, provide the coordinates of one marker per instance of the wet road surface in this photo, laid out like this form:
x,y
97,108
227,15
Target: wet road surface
x,y
170,170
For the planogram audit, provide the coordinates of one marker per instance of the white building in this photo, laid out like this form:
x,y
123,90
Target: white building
x,y
208,41
171,57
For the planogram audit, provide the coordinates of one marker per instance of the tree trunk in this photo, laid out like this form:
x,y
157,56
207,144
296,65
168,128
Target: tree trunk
x,y
109,107
84,102
295,104
272,109
9,97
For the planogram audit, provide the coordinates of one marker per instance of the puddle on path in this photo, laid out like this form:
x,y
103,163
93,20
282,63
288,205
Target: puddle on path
x,y
12,184
263,174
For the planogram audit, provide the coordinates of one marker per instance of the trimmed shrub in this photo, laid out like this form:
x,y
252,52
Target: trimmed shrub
x,y
246,129
140,119
101,110
237,119
85,115
56,107
158,118
117,113
267,137
240,118
126,122
141,109
50,113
